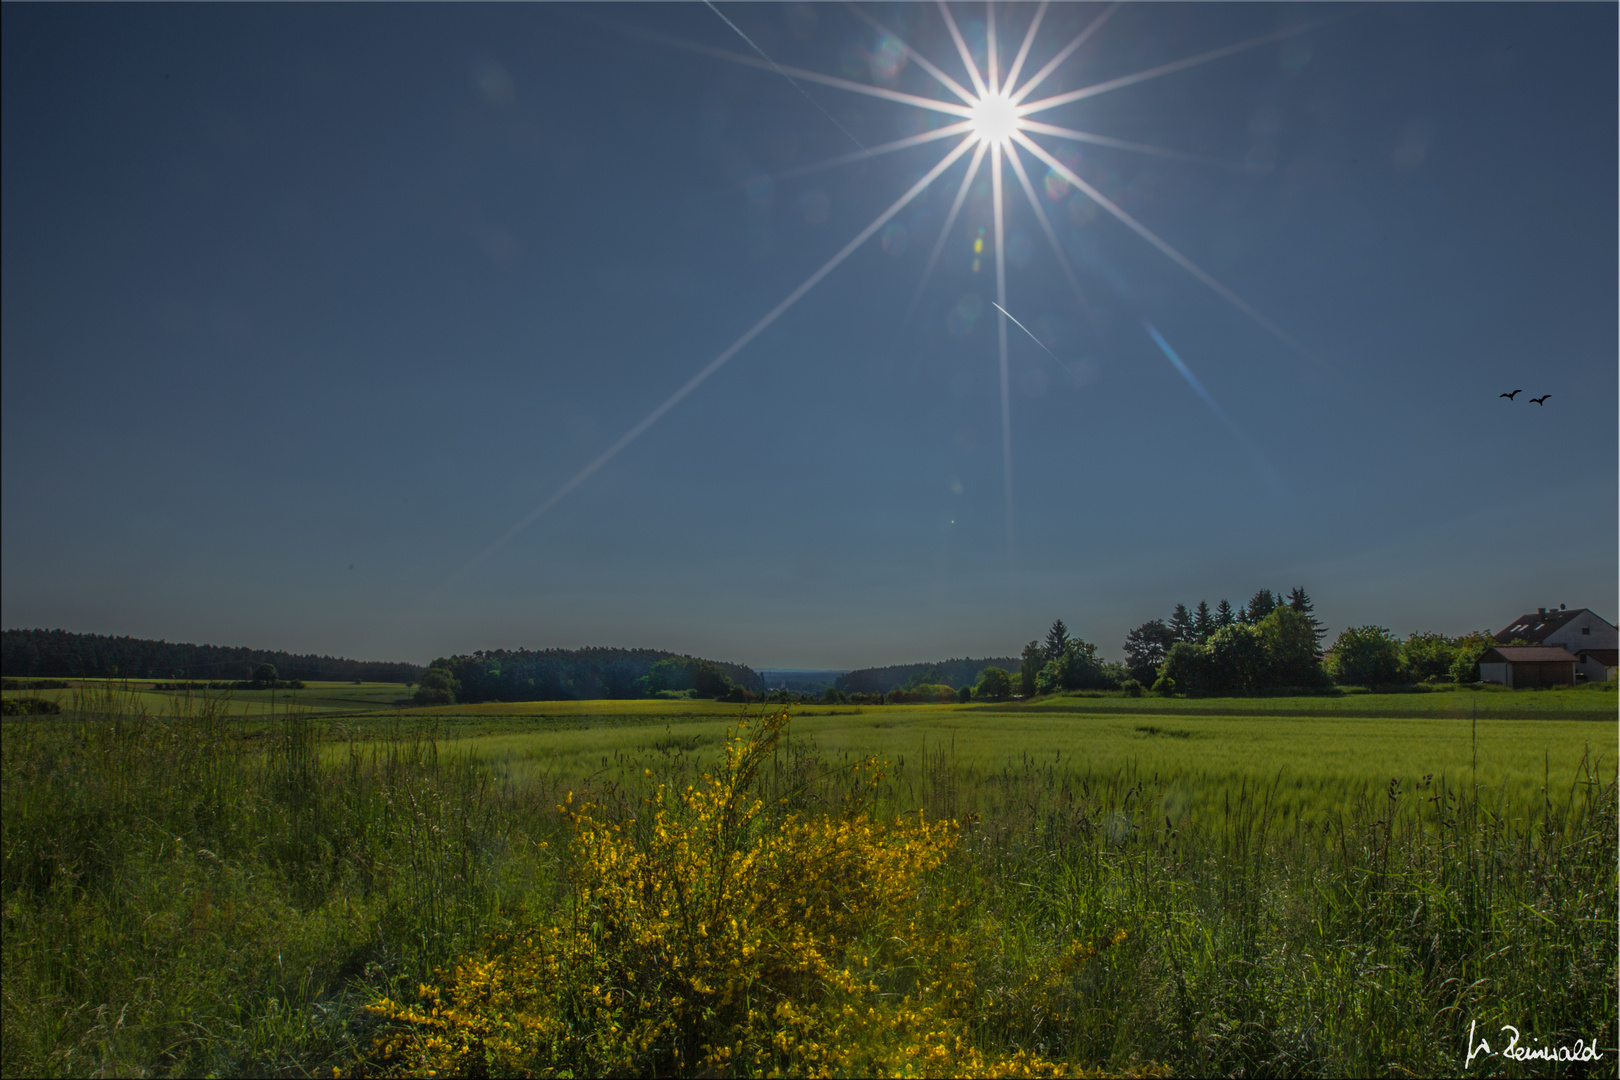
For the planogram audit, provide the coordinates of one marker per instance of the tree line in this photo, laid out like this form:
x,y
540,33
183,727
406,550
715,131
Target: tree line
x,y
1271,644
948,673
60,654
582,675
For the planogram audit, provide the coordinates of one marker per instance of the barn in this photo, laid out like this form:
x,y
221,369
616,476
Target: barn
x,y
1522,667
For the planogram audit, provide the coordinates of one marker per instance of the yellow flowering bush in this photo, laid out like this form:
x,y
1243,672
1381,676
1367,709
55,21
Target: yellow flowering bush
x,y
709,937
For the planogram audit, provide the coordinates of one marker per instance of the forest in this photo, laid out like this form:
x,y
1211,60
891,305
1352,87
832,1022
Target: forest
x,y
32,654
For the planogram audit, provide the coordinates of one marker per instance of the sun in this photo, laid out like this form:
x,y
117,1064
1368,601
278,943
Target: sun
x,y
994,119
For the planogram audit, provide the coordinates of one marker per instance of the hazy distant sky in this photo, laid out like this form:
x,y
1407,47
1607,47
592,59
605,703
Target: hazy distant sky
x,y
306,305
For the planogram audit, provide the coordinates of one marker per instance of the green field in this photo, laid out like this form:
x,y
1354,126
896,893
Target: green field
x,y
1338,885
317,698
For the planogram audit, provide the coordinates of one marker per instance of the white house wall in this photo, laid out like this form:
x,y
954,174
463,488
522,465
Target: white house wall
x,y
1600,636
1593,670
1497,673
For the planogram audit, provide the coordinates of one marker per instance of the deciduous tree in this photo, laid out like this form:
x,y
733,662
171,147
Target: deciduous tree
x,y
1365,656
1289,638
1145,649
1034,659
1427,656
994,684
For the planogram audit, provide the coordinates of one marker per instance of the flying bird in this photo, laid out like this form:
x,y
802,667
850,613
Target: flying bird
x,y
1510,396
1542,400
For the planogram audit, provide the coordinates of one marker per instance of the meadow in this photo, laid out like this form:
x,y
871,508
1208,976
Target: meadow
x,y
1320,886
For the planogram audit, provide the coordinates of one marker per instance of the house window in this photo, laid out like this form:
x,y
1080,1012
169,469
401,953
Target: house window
x,y
1586,629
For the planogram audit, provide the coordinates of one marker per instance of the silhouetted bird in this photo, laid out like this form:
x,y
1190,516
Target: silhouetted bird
x,y
1542,400
1520,390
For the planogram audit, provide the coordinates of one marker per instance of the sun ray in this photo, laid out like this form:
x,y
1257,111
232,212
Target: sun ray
x,y
745,60
717,363
1040,128
922,61
1262,466
1064,53
961,47
1023,50
1166,69
1046,225
778,67
992,64
959,128
945,233
1001,342
1175,256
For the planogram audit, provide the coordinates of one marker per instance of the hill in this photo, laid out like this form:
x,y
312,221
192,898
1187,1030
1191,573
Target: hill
x,y
953,673
60,654
569,674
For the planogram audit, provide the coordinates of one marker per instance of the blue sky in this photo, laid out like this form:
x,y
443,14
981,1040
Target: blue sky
x,y
293,289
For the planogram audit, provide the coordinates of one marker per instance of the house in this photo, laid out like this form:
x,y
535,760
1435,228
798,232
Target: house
x,y
1590,638
1597,665
1524,666
1574,629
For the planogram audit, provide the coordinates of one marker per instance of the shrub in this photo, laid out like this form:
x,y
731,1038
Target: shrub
x,y
1165,686
964,694
924,693
28,706
438,687
707,938
1131,687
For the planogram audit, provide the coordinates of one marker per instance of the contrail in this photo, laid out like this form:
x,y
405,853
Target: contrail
x,y
1267,473
714,365
1032,337
786,76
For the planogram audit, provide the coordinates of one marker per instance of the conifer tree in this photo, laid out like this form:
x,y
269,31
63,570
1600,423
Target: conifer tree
x,y
1261,604
1224,615
1300,602
1057,640
1181,624
1203,621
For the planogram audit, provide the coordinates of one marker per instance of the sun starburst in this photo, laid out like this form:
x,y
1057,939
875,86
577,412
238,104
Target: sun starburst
x,y
993,118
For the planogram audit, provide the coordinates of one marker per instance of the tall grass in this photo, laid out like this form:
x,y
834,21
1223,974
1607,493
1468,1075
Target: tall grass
x,y
185,893
194,893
